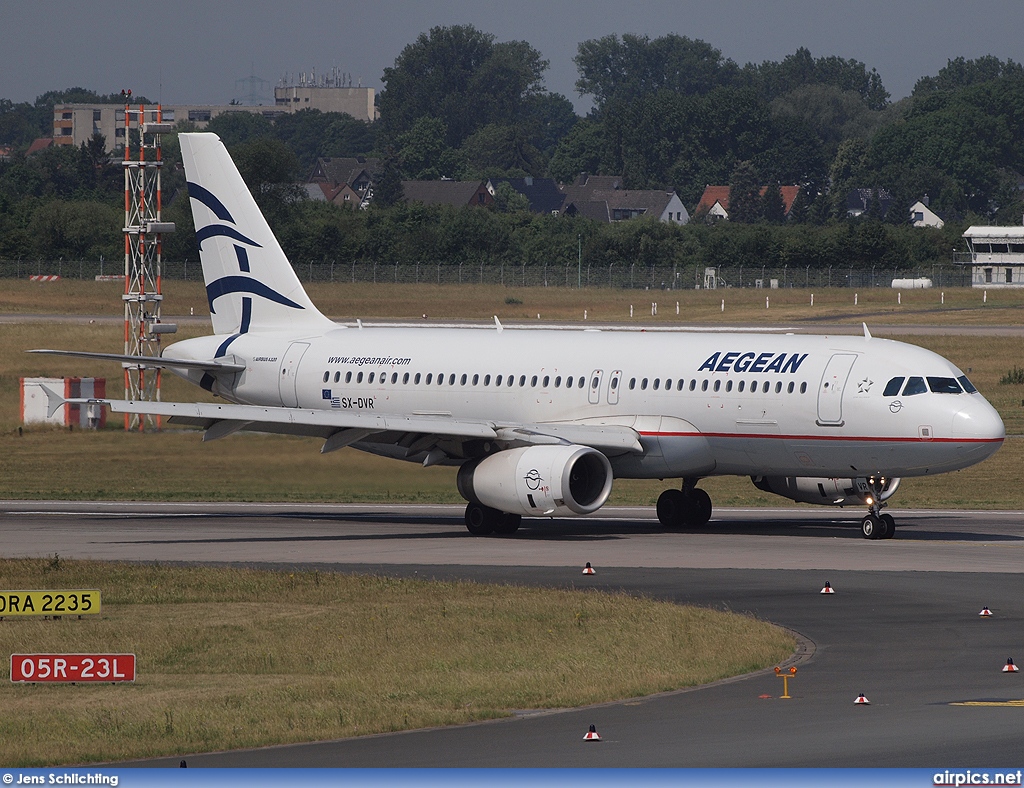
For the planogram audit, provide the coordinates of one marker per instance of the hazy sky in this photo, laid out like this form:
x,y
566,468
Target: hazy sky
x,y
186,51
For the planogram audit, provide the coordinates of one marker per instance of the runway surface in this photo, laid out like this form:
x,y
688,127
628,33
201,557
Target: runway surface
x,y
903,626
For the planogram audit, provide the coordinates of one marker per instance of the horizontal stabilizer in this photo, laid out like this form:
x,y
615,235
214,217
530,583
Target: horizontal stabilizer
x,y
213,365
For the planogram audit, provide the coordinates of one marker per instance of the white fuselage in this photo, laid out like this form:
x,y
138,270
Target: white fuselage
x,y
703,403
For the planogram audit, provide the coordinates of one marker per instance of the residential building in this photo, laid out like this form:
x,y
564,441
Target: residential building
x,y
344,181
455,193
714,202
543,194
74,124
922,216
603,198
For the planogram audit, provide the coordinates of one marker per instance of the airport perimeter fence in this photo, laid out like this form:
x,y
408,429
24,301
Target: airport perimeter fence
x,y
573,275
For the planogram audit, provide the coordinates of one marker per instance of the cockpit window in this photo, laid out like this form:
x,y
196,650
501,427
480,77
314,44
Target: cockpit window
x,y
944,386
892,388
914,385
968,386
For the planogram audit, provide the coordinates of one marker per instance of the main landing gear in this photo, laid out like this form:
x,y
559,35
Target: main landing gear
x,y
689,507
483,520
876,525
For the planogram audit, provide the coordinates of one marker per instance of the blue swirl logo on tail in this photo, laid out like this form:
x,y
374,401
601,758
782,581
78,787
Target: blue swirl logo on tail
x,y
233,284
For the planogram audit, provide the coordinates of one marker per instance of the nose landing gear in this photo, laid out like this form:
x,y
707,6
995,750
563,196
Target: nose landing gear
x,y
877,525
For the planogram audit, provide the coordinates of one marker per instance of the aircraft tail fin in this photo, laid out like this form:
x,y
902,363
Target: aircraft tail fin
x,y
250,284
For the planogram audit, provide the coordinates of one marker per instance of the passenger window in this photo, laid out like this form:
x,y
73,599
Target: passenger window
x,y
944,386
359,377
462,380
739,388
632,383
968,386
394,377
914,385
892,388
643,384
370,379
522,381
476,379
487,380
430,378
789,389
615,382
753,387
327,376
348,376
405,378
416,380
718,385
657,382
451,379
704,386
337,376
580,382
693,385
778,387
497,381
558,381
547,379
533,382
594,383
764,388
803,388
728,385
679,385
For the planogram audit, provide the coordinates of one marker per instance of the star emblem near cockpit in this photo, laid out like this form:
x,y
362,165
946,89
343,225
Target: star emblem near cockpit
x,y
865,386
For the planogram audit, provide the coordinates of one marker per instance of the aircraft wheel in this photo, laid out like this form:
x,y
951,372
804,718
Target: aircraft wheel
x,y
480,519
672,508
700,508
890,526
871,527
508,523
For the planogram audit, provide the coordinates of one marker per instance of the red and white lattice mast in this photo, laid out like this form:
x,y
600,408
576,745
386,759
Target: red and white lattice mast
x,y
143,247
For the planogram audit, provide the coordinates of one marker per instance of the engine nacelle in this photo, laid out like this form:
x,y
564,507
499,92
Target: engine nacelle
x,y
829,492
539,480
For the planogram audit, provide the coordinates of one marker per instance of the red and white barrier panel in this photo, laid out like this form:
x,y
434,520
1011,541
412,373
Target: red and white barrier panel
x,y
44,277
34,402
72,667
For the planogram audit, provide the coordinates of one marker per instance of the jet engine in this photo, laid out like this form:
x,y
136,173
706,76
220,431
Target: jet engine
x,y
829,492
563,480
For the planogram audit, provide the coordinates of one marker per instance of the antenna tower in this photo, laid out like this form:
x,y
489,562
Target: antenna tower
x,y
143,246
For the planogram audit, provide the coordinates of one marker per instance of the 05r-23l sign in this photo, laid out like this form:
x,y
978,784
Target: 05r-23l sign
x,y
49,603
72,667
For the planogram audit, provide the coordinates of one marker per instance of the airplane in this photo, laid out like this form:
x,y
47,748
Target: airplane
x,y
540,422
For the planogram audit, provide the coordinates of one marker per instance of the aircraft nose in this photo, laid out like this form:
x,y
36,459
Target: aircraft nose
x,y
980,421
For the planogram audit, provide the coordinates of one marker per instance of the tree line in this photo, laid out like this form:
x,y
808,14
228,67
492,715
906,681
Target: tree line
x,y
669,113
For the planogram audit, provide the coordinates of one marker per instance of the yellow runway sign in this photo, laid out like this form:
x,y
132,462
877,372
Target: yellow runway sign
x,y
49,603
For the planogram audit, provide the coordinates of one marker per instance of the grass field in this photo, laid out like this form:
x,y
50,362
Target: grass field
x,y
49,463
230,658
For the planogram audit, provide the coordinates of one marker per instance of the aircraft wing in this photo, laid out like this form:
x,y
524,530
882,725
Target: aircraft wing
x,y
341,428
213,365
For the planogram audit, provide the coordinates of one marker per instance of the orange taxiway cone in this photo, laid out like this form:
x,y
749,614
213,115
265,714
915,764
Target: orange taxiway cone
x,y
985,612
827,589
589,570
592,735
862,701
1009,667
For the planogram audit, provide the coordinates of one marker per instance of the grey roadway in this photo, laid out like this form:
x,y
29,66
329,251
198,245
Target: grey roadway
x,y
903,626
